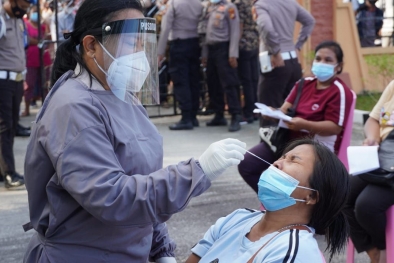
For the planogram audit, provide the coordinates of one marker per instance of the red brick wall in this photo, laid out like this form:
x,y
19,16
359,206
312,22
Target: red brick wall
x,y
322,11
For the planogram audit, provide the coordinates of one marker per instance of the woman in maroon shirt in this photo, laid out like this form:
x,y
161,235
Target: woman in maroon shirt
x,y
321,112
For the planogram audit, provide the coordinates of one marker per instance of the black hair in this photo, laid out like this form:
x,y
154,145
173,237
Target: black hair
x,y
331,179
92,14
335,47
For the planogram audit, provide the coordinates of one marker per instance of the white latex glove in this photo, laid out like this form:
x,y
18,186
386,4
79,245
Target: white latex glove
x,y
221,155
166,260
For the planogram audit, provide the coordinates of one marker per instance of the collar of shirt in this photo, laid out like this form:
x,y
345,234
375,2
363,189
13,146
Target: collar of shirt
x,y
85,79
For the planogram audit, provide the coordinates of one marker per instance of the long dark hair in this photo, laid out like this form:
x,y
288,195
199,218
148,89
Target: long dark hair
x,y
331,179
92,14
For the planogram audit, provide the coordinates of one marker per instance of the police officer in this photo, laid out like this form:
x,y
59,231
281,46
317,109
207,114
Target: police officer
x,y
179,25
248,68
12,67
220,54
275,21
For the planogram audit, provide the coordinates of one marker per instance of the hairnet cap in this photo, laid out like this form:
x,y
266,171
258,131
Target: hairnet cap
x,y
34,2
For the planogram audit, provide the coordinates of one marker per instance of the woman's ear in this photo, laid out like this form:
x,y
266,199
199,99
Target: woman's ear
x,y
89,46
312,198
339,68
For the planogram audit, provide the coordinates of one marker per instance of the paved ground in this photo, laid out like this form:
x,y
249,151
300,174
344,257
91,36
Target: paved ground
x,y
226,194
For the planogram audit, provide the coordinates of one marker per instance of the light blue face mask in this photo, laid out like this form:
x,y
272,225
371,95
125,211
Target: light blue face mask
x,y
214,1
275,188
34,17
323,71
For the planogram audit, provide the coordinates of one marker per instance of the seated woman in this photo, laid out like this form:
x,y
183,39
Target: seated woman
x,y
367,204
321,112
304,193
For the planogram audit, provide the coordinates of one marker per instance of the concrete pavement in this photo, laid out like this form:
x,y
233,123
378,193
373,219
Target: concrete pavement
x,y
228,193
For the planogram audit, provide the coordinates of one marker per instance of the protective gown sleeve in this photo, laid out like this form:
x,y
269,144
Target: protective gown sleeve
x,y
162,245
88,169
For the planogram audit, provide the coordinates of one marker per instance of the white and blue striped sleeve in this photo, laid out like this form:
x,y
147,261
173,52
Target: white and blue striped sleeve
x,y
221,226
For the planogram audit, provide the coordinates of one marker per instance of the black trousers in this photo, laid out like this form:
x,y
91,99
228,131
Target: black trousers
x,y
11,93
185,73
275,86
366,211
248,72
163,81
222,79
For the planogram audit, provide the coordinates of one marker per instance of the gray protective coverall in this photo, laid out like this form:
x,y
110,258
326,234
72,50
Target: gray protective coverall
x,y
97,191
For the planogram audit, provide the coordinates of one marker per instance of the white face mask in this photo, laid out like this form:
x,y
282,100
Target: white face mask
x,y
127,72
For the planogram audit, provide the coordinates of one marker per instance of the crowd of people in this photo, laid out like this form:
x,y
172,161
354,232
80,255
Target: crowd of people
x,y
93,167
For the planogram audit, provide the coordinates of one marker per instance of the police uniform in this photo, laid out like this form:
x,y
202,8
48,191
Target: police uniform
x,y
179,25
222,43
276,21
12,68
248,68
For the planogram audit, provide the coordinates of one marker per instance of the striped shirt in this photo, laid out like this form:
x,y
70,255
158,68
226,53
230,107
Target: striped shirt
x,y
226,241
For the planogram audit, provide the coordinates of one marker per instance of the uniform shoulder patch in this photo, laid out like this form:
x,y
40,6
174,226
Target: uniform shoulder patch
x,y
231,12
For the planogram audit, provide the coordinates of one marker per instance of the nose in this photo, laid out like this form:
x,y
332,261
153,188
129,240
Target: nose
x,y
278,164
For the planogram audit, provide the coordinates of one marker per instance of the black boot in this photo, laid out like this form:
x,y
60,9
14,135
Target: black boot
x,y
194,119
21,127
22,131
184,124
195,122
13,180
235,126
218,120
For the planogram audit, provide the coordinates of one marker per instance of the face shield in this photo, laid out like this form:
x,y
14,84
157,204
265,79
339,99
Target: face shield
x,y
130,60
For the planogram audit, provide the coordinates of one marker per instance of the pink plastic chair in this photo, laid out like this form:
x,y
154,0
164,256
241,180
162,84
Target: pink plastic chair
x,y
389,240
390,235
347,134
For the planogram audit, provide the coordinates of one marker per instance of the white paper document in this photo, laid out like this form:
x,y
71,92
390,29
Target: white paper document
x,y
273,113
362,159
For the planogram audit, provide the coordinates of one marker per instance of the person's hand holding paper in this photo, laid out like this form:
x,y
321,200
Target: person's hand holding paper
x,y
271,112
370,142
296,124
362,159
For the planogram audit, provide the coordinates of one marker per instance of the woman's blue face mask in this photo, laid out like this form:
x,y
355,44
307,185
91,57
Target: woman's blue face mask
x,y
275,188
323,71
34,17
